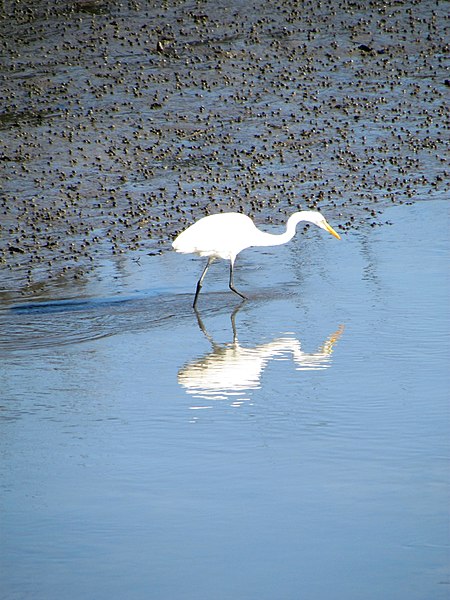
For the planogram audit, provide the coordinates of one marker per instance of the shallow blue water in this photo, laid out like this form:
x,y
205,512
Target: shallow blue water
x,y
148,452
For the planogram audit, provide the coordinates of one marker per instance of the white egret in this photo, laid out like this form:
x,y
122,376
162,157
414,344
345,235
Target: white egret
x,y
226,234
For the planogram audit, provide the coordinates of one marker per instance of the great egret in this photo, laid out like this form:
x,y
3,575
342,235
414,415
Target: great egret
x,y
226,234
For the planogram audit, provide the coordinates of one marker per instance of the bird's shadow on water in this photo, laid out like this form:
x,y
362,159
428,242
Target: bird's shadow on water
x,y
42,324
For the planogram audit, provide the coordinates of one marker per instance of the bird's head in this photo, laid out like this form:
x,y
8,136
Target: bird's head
x,y
313,216
322,222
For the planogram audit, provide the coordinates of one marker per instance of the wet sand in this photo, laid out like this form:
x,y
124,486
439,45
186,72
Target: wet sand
x,y
122,122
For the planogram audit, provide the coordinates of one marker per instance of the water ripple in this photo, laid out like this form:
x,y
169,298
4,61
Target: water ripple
x,y
61,322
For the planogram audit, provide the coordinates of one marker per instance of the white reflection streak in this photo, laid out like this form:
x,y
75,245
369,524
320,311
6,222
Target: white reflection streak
x,y
231,371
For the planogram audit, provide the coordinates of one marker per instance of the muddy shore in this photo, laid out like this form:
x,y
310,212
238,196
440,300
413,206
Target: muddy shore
x,y
123,122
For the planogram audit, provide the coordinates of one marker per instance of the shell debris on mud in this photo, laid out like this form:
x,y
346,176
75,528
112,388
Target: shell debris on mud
x,y
123,122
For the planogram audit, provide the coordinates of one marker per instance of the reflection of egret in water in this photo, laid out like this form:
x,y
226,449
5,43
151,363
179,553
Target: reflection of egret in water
x,y
231,371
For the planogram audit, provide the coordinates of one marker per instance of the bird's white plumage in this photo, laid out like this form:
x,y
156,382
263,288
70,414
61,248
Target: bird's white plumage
x,y
221,236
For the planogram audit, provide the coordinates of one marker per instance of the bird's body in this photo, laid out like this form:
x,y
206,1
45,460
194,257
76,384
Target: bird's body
x,y
224,235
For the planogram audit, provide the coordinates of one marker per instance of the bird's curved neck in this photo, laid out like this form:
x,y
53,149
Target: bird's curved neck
x,y
276,239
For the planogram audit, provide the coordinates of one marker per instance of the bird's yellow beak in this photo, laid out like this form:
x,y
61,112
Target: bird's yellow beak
x,y
332,231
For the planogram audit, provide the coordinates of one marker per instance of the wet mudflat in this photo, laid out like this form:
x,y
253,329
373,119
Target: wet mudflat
x,y
151,452
123,122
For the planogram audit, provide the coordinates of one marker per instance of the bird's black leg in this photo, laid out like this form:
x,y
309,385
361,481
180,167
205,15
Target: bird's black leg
x,y
200,281
232,288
